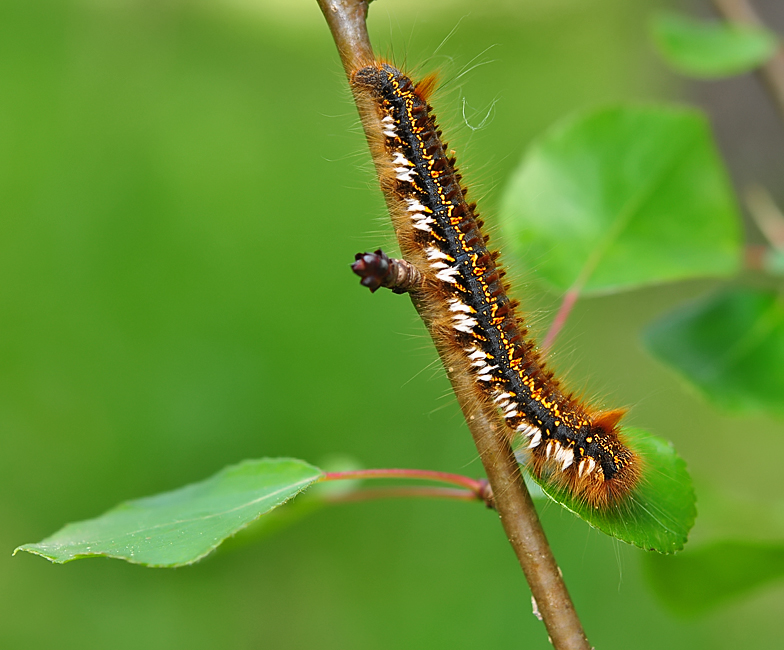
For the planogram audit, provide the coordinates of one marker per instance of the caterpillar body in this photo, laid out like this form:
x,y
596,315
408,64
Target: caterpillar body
x,y
461,289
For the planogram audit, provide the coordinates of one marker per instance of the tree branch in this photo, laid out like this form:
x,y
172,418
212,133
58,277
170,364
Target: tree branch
x,y
772,71
346,19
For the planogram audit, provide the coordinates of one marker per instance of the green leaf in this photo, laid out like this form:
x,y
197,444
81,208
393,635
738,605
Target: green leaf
x,y
701,579
181,527
621,197
703,49
730,346
660,512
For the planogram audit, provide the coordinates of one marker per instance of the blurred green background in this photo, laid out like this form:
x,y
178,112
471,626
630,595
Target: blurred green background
x,y
183,184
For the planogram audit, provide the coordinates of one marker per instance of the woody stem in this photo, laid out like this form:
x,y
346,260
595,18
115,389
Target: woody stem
x,y
346,20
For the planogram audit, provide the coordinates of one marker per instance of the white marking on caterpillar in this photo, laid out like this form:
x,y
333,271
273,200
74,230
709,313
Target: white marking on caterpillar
x,y
400,159
586,466
464,323
435,254
526,429
404,174
476,354
564,456
416,206
456,305
422,222
388,126
535,439
448,275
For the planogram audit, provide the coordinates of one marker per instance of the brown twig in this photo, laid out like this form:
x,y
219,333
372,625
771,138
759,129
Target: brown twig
x,y
471,489
346,19
569,299
772,71
754,257
478,486
379,270
766,215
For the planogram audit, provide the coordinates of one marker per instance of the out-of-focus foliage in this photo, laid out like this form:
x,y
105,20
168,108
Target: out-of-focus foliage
x,y
700,579
623,197
717,49
730,346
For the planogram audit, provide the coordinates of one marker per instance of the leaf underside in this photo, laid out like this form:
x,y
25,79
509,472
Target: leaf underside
x,y
660,512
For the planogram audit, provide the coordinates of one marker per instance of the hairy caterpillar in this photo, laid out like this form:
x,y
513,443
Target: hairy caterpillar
x,y
450,271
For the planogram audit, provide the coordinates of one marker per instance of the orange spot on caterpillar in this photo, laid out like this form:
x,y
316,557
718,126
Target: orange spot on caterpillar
x,y
465,302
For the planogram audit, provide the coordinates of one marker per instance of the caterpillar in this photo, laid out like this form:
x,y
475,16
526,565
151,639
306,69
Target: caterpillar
x,y
460,287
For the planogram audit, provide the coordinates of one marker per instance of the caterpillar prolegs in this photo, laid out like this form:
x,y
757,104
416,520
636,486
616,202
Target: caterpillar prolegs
x,y
453,274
